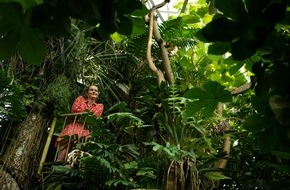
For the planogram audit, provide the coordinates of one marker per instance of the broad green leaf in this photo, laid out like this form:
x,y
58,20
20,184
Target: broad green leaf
x,y
216,91
125,26
220,29
4,81
267,140
141,11
168,152
30,3
205,61
138,26
58,187
194,107
190,19
226,77
283,155
219,48
32,47
255,7
194,93
128,6
51,20
157,147
86,9
26,4
209,108
244,47
117,182
8,44
235,68
206,106
278,8
261,105
131,165
216,176
256,123
207,98
146,172
10,17
234,9
239,79
117,37
282,168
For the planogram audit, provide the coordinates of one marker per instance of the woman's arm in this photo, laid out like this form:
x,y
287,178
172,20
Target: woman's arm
x,y
98,110
79,105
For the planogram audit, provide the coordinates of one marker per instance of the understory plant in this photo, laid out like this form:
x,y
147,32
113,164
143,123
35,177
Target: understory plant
x,y
183,140
104,162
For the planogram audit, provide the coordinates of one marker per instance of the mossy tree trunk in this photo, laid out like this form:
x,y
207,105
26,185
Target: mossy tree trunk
x,y
21,160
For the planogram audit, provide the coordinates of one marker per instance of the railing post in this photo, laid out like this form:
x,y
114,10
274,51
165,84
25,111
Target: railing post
x,y
46,147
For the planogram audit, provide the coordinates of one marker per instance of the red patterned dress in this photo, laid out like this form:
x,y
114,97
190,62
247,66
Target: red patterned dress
x,y
80,105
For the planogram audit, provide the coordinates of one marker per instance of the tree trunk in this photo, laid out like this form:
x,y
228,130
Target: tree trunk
x,y
21,159
7,182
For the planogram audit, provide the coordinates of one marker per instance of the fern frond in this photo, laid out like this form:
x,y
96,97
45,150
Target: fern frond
x,y
177,33
117,117
137,46
173,32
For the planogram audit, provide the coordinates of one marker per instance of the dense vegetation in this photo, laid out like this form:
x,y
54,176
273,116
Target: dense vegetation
x,y
218,119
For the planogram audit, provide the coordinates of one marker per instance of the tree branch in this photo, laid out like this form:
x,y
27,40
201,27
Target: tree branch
x,y
159,74
184,6
164,54
244,87
153,31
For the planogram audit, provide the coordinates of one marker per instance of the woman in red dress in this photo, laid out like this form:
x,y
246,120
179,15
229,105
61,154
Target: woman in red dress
x,y
81,104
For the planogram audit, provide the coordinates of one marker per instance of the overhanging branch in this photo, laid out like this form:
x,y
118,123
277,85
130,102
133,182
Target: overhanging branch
x,y
153,31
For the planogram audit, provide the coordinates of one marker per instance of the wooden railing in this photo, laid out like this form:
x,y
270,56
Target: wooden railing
x,y
61,120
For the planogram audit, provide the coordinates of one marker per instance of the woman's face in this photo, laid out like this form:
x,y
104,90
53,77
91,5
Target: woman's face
x,y
93,92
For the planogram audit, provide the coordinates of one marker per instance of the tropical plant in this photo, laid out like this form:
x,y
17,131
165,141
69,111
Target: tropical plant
x,y
255,35
181,121
104,162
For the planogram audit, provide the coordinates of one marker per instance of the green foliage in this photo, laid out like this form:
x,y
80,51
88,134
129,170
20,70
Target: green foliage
x,y
215,176
26,4
207,98
31,40
25,23
119,164
174,32
185,141
58,92
245,25
258,38
248,169
17,35
12,107
11,102
170,124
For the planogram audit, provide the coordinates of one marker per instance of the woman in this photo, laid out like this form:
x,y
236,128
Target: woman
x,y
81,104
